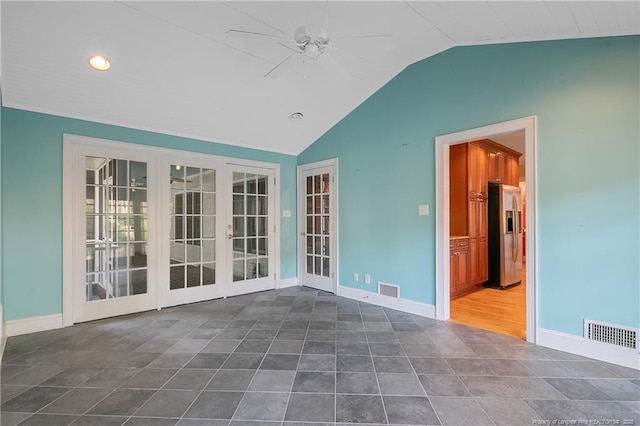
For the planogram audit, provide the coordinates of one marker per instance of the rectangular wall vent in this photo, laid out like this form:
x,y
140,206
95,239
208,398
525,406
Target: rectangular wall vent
x,y
390,290
626,337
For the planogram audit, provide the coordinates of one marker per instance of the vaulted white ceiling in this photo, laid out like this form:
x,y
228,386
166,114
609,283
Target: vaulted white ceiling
x,y
176,70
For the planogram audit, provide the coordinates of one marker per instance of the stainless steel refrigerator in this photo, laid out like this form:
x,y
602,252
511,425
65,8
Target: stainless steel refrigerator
x,y
504,236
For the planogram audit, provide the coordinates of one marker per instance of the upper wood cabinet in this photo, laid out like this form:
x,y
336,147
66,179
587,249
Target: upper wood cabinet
x,y
477,171
502,163
458,184
513,170
497,165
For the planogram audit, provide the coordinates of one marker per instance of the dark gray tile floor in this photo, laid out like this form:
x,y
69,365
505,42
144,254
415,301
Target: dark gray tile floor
x,y
298,356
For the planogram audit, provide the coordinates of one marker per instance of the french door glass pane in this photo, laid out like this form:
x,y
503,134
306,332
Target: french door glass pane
x,y
138,174
116,227
263,247
176,277
317,224
138,281
238,270
192,231
250,220
193,178
193,275
208,273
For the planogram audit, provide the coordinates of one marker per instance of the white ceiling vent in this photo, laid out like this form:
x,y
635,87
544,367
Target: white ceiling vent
x,y
626,337
389,290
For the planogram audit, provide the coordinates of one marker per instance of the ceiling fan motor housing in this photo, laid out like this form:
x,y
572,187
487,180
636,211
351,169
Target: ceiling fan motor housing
x,y
312,45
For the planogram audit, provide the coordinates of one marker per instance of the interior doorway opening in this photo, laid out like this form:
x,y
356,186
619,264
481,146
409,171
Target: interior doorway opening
x,y
462,225
487,282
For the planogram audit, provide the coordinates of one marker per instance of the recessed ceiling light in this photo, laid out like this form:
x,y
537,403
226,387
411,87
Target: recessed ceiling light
x,y
99,63
296,116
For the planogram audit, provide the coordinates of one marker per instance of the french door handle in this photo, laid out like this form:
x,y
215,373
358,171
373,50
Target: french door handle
x,y
230,236
304,234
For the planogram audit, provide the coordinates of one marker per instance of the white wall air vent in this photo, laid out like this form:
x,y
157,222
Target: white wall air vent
x,y
618,335
389,290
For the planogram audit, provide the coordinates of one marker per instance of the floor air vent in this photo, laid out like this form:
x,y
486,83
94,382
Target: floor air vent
x,y
389,290
609,333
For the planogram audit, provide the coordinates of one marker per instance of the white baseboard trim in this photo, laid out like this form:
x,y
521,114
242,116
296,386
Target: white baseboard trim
x,y
288,282
33,324
404,305
578,345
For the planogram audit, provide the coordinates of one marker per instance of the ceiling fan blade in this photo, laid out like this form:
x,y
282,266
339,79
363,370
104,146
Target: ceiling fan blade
x,y
384,41
292,48
279,69
354,65
331,64
251,34
314,14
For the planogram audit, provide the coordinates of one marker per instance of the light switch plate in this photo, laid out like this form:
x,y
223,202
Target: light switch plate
x,y
423,210
286,213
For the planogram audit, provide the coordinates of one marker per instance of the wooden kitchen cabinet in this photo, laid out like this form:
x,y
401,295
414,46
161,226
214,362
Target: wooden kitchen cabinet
x,y
477,170
497,165
468,209
459,266
474,206
472,166
473,170
477,208
458,183
513,171
502,163
478,244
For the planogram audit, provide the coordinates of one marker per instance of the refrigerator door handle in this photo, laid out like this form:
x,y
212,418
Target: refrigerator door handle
x,y
516,230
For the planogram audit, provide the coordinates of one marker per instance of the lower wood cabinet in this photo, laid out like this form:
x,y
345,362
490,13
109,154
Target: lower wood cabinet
x,y
459,263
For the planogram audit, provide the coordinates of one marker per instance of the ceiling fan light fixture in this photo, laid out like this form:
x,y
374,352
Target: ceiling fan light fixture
x,y
296,116
99,63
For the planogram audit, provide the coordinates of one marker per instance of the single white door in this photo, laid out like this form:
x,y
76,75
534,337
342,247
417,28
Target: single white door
x,y
250,229
191,270
115,225
317,225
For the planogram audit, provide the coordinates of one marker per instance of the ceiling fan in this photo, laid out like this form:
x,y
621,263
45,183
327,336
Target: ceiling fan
x,y
311,43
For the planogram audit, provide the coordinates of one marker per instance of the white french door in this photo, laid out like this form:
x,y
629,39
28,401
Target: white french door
x,y
317,225
191,267
250,229
146,228
115,231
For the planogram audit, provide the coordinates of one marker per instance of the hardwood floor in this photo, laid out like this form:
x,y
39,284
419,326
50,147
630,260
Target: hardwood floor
x,y
500,311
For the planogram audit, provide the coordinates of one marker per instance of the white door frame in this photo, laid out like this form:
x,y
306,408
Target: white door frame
x,y
334,212
153,154
442,143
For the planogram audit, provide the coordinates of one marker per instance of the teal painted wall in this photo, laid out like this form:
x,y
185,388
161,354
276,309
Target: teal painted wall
x,y
1,227
586,96
32,200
